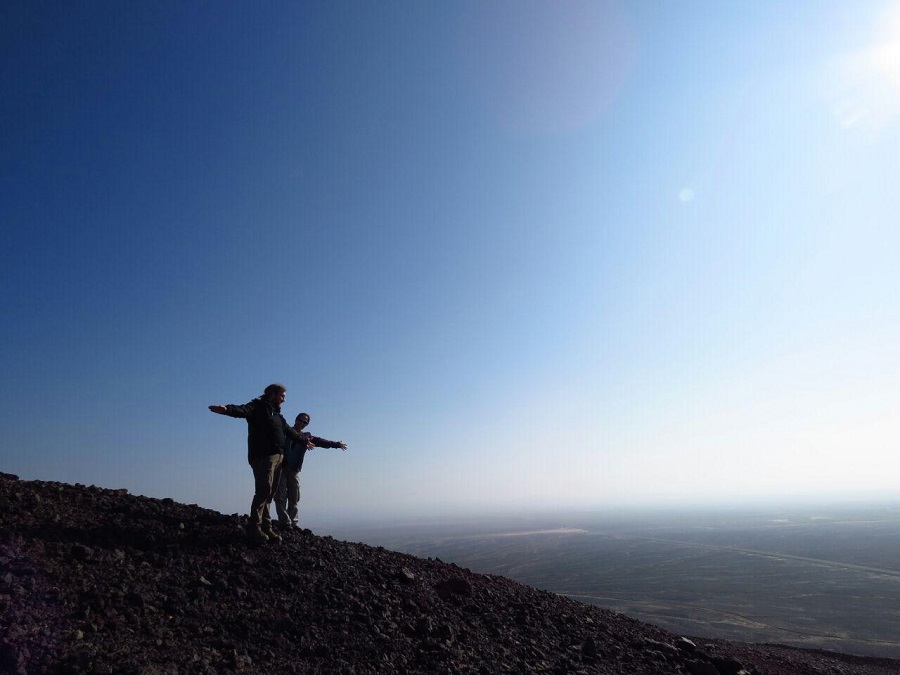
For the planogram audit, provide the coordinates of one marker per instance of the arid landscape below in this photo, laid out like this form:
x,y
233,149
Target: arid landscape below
x,y
818,576
95,580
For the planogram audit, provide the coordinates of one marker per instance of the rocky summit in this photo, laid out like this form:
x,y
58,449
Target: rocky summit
x,y
95,580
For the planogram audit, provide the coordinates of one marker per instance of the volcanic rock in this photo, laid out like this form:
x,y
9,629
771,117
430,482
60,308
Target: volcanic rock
x,y
99,581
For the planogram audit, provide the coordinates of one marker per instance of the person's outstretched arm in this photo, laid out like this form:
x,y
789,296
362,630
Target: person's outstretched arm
x,y
234,410
325,443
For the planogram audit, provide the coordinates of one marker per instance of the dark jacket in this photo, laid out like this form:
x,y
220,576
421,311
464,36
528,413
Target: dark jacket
x,y
296,450
267,430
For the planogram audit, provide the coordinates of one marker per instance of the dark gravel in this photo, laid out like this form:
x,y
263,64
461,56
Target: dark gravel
x,y
99,581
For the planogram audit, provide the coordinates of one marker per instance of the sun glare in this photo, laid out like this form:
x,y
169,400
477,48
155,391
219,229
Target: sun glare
x,y
868,89
686,195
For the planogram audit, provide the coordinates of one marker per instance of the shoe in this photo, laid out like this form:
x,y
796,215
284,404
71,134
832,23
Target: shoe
x,y
255,533
270,533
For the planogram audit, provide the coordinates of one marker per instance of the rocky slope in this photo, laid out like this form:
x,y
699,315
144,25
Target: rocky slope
x,y
99,581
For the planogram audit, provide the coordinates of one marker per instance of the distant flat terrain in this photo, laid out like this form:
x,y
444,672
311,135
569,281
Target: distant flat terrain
x,y
826,577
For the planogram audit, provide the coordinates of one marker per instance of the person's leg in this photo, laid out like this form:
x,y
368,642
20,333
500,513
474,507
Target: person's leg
x,y
292,492
281,498
261,477
273,474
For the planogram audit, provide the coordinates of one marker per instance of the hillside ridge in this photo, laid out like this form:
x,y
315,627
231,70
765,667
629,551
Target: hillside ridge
x,y
96,580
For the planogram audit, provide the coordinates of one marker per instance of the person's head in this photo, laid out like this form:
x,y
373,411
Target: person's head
x,y
275,393
301,421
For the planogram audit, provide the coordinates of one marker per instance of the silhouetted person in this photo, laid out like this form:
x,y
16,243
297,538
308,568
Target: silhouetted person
x,y
267,432
288,494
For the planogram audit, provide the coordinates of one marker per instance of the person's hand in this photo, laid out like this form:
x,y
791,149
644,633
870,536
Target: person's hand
x,y
342,445
221,409
310,445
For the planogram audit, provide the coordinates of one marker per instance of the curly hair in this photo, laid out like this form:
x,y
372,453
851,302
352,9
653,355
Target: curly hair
x,y
274,388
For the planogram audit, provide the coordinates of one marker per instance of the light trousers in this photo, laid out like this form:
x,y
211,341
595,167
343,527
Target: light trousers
x,y
266,472
287,496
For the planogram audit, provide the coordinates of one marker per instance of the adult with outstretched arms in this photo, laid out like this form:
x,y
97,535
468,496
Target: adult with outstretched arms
x,y
288,493
267,433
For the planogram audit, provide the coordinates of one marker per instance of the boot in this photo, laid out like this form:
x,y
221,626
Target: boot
x,y
269,532
255,533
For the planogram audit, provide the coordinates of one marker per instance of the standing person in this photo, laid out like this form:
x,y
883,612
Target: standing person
x,y
288,494
267,431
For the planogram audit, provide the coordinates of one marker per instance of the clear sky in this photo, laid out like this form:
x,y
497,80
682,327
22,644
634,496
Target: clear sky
x,y
515,254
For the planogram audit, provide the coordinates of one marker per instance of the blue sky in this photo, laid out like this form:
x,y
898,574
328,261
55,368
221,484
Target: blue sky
x,y
518,255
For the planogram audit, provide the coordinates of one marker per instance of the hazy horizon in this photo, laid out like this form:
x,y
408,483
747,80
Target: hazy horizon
x,y
516,255
517,516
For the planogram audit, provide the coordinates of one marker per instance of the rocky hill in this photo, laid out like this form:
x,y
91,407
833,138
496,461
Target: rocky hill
x,y
99,581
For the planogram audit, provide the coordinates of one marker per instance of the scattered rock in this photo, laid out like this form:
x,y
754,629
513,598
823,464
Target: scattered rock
x,y
726,665
80,552
685,645
701,668
456,586
100,581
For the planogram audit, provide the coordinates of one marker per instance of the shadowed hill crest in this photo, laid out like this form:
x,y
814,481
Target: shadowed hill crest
x,y
94,580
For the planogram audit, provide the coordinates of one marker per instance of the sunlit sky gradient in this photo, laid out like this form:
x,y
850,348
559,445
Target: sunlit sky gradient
x,y
516,254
